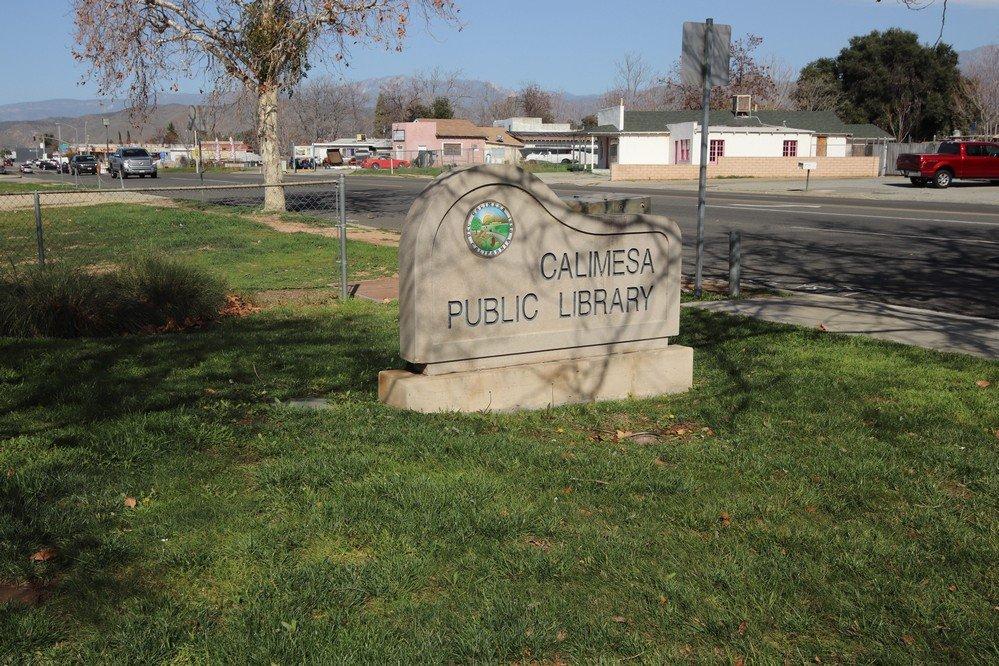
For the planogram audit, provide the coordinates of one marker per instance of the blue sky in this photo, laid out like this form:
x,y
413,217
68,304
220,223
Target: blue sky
x,y
570,46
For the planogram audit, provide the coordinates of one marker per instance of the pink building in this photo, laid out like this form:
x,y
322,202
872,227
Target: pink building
x,y
431,141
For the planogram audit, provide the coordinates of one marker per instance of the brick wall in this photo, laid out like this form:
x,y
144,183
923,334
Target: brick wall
x,y
758,167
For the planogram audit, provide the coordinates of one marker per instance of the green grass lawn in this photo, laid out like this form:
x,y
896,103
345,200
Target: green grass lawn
x,y
813,497
14,187
249,255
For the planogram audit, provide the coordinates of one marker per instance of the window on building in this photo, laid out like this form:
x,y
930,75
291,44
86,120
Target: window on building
x,y
790,148
681,149
716,149
452,149
399,135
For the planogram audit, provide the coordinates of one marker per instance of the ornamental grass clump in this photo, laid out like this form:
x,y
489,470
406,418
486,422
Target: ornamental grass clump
x,y
149,295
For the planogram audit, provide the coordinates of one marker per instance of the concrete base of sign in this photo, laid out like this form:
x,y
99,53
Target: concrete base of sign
x,y
638,374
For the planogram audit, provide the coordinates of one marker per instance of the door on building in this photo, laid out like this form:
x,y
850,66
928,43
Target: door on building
x,y
820,145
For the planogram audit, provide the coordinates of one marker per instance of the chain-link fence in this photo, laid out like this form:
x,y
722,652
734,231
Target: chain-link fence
x,y
258,237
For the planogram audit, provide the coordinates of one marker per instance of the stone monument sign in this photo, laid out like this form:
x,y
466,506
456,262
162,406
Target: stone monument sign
x,y
510,300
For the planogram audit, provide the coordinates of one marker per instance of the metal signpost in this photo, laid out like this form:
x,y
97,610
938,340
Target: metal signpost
x,y
192,124
704,61
808,167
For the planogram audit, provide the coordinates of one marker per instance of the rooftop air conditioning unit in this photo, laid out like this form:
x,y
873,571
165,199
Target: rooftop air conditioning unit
x,y
360,137
742,105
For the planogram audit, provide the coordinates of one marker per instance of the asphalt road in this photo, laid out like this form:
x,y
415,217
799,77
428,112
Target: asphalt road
x,y
939,256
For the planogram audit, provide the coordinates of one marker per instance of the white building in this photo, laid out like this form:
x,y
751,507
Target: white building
x,y
342,151
550,142
674,137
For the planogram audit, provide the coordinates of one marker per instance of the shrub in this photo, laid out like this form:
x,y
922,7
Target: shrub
x,y
174,294
154,294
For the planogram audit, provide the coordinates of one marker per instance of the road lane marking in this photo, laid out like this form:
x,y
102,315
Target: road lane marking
x,y
856,215
972,241
729,196
778,205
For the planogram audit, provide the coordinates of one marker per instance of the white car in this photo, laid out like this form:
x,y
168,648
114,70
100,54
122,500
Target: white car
x,y
579,154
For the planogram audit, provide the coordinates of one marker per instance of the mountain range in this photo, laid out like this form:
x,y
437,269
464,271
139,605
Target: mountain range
x,y
20,121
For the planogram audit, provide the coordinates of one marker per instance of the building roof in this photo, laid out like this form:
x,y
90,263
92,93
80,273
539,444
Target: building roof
x,y
821,122
550,136
459,128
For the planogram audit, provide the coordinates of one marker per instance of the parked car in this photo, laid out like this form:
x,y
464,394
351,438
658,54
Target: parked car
x,y
971,160
383,163
126,162
82,164
26,167
47,165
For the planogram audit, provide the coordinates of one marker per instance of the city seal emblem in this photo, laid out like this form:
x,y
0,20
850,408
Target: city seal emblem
x,y
489,229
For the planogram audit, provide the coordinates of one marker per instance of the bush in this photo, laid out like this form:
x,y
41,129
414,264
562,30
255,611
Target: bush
x,y
154,294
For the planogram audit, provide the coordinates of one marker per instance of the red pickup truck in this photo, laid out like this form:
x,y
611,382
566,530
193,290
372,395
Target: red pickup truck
x,y
973,160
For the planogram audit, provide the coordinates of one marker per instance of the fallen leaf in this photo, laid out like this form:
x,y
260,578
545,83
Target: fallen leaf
x,y
543,544
740,661
725,519
620,619
622,434
43,555
983,383
130,502
567,490
663,600
742,628
810,509
952,588
822,327
908,639
561,635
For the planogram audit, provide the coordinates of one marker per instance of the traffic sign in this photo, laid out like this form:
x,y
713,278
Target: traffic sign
x,y
718,53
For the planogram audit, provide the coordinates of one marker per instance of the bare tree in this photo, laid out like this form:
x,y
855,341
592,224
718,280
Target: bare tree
x,y
535,102
404,98
632,76
784,80
983,78
324,109
816,94
266,46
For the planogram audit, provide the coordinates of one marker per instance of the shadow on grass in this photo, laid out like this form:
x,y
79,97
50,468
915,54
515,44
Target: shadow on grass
x,y
280,355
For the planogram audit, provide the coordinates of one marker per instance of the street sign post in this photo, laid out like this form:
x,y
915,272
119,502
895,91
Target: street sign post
x,y
704,61
808,167
192,124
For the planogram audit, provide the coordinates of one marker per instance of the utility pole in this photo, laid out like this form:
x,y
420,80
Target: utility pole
x,y
59,161
107,140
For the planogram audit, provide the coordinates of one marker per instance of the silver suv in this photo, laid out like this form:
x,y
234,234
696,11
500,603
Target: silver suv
x,y
127,162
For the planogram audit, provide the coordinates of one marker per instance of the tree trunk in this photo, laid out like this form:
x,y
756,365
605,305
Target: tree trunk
x,y
270,151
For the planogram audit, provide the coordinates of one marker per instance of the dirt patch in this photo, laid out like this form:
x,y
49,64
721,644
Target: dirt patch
x,y
274,297
237,306
26,593
372,236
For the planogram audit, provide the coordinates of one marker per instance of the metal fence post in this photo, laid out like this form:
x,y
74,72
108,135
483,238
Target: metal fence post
x,y
734,263
342,210
38,230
